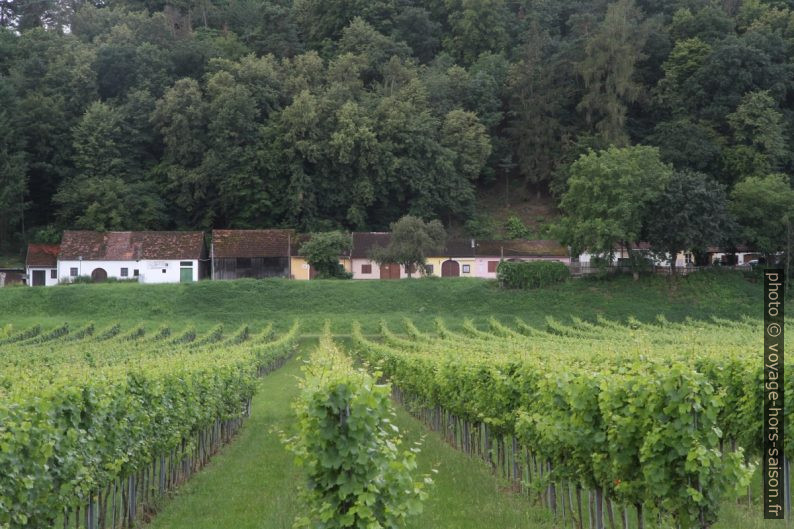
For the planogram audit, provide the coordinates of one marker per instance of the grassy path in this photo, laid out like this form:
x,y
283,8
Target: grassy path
x,y
253,483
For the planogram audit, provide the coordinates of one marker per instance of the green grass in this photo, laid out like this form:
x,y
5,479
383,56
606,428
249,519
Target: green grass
x,y
281,301
253,483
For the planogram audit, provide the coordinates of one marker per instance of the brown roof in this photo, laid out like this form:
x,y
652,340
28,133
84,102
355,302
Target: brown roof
x,y
364,242
741,248
251,243
521,248
131,245
457,248
44,255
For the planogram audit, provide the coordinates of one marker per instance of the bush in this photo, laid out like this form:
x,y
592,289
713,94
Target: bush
x,y
516,229
531,274
358,475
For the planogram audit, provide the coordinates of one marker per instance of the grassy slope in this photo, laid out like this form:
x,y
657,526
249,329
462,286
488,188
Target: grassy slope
x,y
282,301
253,484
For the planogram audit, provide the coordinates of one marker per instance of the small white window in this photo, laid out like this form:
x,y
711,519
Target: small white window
x,y
125,272
73,272
163,270
135,273
53,274
466,269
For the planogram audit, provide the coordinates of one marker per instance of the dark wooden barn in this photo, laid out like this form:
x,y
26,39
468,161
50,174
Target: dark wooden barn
x,y
238,254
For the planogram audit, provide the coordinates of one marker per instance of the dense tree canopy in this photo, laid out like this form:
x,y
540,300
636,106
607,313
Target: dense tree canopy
x,y
347,114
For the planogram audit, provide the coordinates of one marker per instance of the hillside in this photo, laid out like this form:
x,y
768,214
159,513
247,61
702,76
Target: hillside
x,y
324,114
698,296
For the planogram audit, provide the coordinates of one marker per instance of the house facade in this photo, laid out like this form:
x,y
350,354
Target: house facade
x,y
257,254
456,259
488,254
41,265
300,269
743,255
145,256
365,268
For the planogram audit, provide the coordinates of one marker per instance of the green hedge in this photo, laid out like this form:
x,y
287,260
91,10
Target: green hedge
x,y
531,274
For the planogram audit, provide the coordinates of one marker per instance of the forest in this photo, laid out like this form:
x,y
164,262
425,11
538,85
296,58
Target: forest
x,y
328,114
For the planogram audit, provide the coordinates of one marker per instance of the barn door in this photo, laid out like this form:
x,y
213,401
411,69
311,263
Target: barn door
x,y
98,275
450,269
39,278
390,271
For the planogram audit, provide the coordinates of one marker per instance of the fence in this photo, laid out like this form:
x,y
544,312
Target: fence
x,y
581,270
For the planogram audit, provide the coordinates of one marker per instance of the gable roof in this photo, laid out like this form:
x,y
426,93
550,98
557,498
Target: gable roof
x,y
251,243
521,248
365,241
44,255
131,245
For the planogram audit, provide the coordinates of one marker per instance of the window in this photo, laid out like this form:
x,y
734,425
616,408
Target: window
x,y
366,269
429,270
492,265
243,262
135,273
466,269
190,263
125,272
163,270
53,274
73,272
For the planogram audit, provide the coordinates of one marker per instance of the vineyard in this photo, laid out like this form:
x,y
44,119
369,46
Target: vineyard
x,y
653,424
603,423
97,425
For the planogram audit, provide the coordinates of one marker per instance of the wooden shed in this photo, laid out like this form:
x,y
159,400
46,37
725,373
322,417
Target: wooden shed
x,y
257,254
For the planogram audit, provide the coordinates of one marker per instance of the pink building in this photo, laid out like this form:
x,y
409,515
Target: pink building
x,y
488,254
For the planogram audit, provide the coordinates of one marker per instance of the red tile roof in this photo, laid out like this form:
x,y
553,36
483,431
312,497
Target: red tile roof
x,y
520,248
44,255
131,245
364,242
251,243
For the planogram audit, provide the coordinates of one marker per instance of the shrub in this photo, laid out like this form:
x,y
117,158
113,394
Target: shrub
x,y
531,274
516,229
359,477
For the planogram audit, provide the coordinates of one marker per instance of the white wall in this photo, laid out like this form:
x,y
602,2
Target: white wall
x,y
375,270
48,280
150,271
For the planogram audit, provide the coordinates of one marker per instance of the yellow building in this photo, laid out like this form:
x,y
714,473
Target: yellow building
x,y
300,269
457,259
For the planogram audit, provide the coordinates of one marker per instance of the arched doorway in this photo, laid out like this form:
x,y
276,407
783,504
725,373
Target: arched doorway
x,y
390,271
450,268
98,275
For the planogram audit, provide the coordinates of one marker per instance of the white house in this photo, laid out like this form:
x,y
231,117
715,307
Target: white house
x,y
365,268
41,265
145,256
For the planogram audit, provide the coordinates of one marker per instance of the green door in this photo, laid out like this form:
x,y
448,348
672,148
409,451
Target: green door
x,y
186,275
